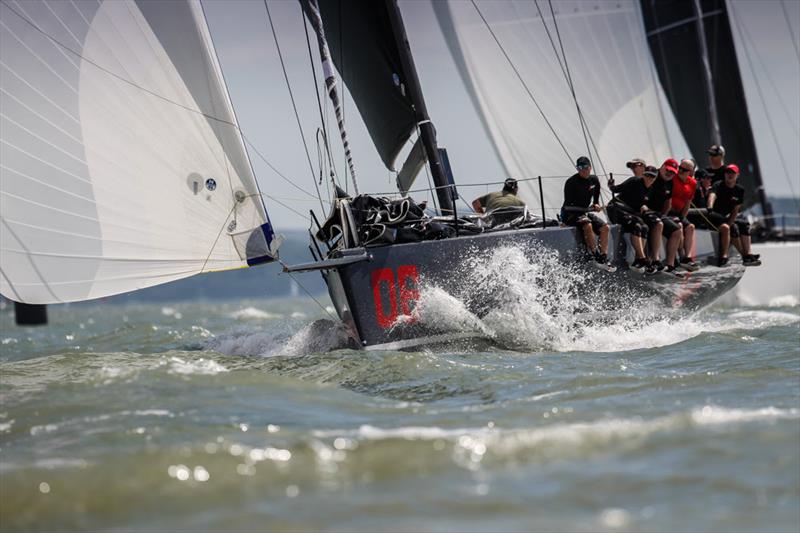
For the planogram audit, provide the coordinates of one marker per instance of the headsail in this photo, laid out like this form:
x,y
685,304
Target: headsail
x,y
123,165
606,52
672,32
360,38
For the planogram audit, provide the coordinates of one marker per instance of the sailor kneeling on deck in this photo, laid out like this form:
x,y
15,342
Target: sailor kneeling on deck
x,y
581,196
495,200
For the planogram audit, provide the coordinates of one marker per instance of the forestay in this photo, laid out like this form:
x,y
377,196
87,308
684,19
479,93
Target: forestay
x,y
123,165
612,71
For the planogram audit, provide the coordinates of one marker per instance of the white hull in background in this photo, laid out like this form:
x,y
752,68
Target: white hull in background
x,y
776,282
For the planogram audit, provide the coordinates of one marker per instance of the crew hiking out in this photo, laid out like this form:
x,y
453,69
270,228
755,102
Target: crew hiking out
x,y
581,197
724,204
624,209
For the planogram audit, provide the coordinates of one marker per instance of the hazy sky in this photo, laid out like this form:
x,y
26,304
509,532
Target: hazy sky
x,y
247,52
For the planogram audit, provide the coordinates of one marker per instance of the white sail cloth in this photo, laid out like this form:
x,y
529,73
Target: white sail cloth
x,y
122,164
612,72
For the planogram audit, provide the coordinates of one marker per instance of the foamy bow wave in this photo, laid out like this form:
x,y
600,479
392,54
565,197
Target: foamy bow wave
x,y
253,313
438,310
528,298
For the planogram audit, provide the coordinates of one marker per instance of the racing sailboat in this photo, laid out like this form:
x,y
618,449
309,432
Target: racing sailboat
x,y
124,167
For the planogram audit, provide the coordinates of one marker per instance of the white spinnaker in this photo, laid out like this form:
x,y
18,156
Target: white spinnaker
x,y
122,163
612,71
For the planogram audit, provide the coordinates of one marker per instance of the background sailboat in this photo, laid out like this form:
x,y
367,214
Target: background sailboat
x,y
723,111
631,98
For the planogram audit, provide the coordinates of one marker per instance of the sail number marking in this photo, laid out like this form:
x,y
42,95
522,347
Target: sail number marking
x,y
402,287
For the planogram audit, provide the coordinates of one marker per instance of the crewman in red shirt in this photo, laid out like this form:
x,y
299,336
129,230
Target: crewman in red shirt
x,y
683,188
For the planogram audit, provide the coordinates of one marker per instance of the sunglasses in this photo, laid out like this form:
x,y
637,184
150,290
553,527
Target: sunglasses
x,y
684,169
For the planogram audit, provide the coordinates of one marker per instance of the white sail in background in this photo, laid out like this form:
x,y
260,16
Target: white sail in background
x,y
611,68
122,164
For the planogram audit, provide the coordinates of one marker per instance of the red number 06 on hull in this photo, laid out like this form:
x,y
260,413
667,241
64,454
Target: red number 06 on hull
x,y
385,293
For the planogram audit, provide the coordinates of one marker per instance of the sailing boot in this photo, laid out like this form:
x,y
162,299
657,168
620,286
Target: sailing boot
x,y
688,264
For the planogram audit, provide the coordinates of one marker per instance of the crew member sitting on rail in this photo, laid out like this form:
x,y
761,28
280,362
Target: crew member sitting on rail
x,y
624,210
683,188
505,198
661,199
581,196
697,212
716,162
724,204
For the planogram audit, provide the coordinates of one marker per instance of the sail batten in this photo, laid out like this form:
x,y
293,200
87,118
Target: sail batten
x,y
123,166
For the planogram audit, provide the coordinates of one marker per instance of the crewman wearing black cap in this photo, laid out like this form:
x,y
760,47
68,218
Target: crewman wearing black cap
x,y
505,198
716,162
624,210
581,196
697,212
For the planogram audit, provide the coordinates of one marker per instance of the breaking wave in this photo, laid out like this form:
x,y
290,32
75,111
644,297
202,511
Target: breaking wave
x,y
319,336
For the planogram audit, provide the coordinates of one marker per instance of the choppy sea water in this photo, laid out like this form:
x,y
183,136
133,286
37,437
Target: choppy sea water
x,y
248,416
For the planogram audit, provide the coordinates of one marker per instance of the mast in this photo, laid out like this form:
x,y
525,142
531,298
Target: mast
x,y
427,133
713,118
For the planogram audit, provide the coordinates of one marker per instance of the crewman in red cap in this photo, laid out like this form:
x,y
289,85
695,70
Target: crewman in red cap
x,y
661,202
724,204
683,188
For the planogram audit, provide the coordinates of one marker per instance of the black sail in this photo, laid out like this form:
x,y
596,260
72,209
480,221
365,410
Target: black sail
x,y
672,33
365,52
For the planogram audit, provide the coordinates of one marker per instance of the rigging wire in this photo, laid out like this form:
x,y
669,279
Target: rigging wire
x,y
587,135
791,31
584,125
564,67
519,76
765,70
294,105
766,112
275,170
308,293
319,103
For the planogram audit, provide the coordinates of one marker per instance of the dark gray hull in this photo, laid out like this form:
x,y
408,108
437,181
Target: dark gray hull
x,y
376,298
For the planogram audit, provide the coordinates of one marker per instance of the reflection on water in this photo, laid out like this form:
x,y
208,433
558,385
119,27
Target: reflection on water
x,y
254,416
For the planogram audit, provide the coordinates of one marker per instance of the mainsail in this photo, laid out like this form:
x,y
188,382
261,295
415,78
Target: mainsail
x,y
122,165
511,58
